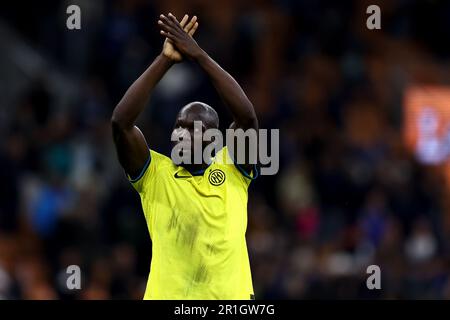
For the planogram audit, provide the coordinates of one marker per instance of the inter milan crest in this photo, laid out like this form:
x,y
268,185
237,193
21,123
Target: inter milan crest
x,y
216,177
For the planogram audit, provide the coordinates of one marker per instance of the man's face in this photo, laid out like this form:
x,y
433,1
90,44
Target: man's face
x,y
190,124
188,133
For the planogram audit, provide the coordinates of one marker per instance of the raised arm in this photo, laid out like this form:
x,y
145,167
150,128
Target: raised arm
x,y
229,90
131,146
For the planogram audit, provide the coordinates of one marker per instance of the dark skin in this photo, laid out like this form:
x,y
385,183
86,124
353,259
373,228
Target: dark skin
x,y
195,111
130,143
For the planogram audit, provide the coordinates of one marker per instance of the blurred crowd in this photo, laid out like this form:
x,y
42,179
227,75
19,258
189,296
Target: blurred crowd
x,y
349,194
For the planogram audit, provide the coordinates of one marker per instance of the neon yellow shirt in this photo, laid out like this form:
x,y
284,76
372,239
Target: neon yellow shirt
x,y
197,225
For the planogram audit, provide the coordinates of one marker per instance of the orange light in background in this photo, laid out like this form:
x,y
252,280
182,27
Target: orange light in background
x,y
427,123
427,132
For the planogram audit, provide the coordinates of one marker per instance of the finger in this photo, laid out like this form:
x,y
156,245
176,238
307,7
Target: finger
x,y
194,28
184,20
169,22
168,35
190,24
166,27
165,19
175,21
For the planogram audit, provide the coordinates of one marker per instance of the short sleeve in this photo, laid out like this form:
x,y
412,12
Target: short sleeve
x,y
148,171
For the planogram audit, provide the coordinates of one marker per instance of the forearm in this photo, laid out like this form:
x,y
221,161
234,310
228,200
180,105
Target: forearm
x,y
136,97
230,92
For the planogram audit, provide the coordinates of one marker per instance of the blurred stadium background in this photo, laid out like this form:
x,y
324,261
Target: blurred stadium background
x,y
363,119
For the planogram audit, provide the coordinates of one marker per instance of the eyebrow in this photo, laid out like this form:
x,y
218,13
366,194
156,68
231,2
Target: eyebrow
x,y
189,123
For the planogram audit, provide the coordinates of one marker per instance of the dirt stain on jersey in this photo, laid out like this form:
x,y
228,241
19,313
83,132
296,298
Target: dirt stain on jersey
x,y
187,230
212,249
173,221
201,273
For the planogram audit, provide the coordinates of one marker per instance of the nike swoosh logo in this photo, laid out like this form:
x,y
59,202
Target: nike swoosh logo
x,y
180,177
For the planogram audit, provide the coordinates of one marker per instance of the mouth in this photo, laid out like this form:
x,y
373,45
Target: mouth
x,y
184,145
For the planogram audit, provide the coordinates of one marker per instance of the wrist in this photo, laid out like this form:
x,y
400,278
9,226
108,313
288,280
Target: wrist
x,y
165,60
200,55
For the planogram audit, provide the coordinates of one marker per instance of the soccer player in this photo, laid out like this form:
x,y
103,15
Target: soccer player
x,y
196,214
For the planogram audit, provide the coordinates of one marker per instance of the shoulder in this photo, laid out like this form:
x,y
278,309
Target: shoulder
x,y
158,159
223,159
156,162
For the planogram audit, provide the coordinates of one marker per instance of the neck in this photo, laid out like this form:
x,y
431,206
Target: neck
x,y
195,168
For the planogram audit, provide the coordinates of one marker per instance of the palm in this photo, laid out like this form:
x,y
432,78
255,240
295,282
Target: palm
x,y
170,52
169,49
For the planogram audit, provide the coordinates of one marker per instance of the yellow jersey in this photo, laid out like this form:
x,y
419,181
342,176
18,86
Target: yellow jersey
x,y
197,224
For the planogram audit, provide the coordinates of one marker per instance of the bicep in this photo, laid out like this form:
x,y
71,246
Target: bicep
x,y
132,149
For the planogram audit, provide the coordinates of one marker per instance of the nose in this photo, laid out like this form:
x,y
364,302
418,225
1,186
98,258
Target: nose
x,y
181,134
